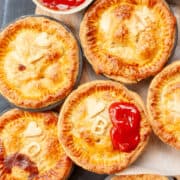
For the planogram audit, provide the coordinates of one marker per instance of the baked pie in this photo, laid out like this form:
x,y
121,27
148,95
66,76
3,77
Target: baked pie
x,y
29,147
128,40
39,62
163,104
103,127
140,177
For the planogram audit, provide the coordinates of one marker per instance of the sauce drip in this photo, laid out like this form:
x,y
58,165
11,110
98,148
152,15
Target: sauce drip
x,y
125,133
21,161
62,4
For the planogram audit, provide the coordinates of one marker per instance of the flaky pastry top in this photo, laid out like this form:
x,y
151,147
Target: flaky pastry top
x,y
84,126
39,62
30,148
128,40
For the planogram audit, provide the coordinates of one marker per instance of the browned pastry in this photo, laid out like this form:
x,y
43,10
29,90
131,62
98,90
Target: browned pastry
x,y
140,177
128,40
29,147
39,62
85,126
163,104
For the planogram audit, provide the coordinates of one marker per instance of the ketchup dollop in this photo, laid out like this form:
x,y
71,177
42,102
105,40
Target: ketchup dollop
x,y
62,4
125,133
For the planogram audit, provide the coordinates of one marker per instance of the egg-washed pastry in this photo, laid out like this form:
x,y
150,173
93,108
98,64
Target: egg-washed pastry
x,y
39,62
103,127
163,105
140,177
29,147
128,40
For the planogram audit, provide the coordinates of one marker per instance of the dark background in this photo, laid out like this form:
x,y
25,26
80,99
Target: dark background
x,y
9,11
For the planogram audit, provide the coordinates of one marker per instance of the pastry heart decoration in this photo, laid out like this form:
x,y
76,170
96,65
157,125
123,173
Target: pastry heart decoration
x,y
125,133
32,130
94,107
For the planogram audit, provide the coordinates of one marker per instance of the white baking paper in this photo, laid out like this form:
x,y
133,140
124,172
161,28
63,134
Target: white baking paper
x,y
157,158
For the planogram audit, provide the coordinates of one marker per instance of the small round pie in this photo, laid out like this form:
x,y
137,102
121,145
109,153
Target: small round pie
x,y
128,40
39,62
103,126
29,147
163,105
140,177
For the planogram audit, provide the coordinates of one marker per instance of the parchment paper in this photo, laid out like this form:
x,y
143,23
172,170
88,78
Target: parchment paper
x,y
157,158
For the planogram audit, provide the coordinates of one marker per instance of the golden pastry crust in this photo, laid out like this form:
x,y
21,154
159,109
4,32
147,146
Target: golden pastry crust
x,y
38,65
30,148
163,103
87,146
140,177
128,40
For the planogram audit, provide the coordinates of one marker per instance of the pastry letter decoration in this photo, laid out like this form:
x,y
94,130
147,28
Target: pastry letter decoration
x,y
32,131
94,107
99,125
33,149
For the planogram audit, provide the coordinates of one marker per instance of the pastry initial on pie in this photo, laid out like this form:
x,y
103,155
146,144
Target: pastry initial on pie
x,y
32,131
94,110
99,125
33,149
94,107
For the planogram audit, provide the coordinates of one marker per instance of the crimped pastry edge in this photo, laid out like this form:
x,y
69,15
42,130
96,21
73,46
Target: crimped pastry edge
x,y
100,169
166,137
50,102
156,68
13,113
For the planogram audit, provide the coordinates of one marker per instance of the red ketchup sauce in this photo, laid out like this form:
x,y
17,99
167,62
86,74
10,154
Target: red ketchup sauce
x,y
62,4
125,133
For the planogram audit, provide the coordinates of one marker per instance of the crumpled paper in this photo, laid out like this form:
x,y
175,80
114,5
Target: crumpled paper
x,y
158,158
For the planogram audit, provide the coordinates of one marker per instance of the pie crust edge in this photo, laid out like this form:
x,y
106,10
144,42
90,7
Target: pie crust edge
x,y
152,96
75,68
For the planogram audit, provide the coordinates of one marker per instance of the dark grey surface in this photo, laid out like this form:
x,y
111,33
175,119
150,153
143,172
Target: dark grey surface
x,y
9,11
